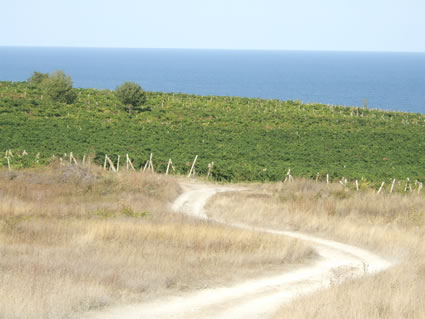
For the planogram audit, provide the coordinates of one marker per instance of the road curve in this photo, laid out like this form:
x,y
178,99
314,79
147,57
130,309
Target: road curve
x,y
252,299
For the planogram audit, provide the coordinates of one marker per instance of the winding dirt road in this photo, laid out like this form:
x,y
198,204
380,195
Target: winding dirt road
x,y
259,298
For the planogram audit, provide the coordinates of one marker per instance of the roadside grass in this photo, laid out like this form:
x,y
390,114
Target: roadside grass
x,y
392,225
76,239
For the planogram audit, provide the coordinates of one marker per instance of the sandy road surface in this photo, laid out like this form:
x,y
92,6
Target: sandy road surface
x,y
258,298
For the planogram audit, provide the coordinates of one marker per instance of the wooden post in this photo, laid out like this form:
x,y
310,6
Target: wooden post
x,y
129,163
118,163
327,178
357,185
72,158
126,160
392,186
111,164
84,159
146,165
151,163
288,177
193,166
380,188
170,163
104,164
407,184
210,167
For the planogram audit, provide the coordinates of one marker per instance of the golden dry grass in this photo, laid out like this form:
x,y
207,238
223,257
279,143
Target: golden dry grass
x,y
391,225
73,239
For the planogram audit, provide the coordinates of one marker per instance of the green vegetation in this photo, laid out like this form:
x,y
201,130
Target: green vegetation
x,y
37,78
132,95
248,139
58,87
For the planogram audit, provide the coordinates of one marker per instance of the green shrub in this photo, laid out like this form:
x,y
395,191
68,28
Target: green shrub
x,y
58,87
131,95
37,78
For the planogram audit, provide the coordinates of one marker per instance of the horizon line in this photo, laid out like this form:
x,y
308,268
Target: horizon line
x,y
203,49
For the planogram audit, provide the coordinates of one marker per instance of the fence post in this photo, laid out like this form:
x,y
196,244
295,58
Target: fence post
x,y
210,167
170,163
380,188
288,177
193,166
407,185
131,164
392,186
151,163
111,164
72,158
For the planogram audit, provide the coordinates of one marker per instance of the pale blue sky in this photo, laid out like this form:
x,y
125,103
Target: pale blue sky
x,y
343,25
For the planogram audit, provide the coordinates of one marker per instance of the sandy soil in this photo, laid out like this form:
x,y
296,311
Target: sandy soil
x,y
259,298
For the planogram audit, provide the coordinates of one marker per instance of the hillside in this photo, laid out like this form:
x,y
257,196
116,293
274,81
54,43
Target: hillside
x,y
247,139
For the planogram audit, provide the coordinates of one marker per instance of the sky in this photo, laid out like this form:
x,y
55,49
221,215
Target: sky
x,y
331,25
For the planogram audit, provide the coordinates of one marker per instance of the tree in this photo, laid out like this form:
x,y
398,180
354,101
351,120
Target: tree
x,y
37,78
58,87
131,95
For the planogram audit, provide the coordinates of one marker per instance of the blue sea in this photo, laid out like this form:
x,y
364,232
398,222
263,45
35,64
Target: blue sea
x,y
391,81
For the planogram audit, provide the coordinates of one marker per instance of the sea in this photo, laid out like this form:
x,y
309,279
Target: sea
x,y
389,81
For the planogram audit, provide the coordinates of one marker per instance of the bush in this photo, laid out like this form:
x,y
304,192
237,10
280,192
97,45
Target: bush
x,y
131,95
58,87
37,78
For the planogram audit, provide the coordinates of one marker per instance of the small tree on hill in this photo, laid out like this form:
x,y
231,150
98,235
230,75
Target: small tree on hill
x,y
37,78
131,95
58,87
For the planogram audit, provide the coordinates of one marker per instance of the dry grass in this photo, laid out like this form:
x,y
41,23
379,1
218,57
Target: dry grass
x,y
396,293
75,239
391,225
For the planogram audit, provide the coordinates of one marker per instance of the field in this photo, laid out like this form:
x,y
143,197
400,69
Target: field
x,y
247,139
392,225
74,239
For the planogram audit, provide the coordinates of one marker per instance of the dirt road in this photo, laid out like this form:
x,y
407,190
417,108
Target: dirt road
x,y
257,298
